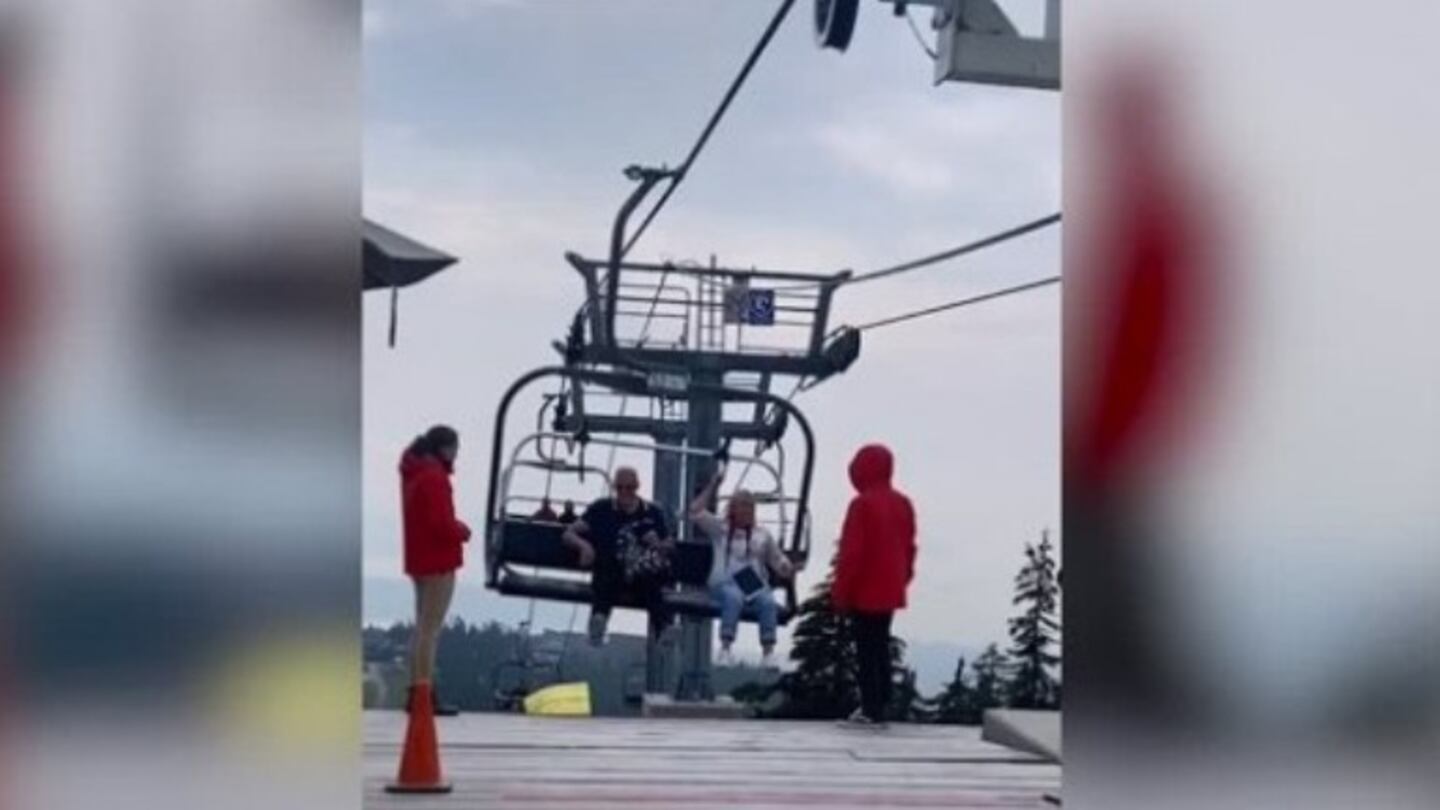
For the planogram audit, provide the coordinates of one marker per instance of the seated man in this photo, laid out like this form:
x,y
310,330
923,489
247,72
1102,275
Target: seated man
x,y
602,536
745,554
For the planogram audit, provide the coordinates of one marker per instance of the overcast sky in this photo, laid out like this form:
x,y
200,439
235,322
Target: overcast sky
x,y
497,131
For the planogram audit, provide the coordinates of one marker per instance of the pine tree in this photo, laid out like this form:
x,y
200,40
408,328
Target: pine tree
x,y
907,705
925,710
1035,632
823,684
991,688
957,703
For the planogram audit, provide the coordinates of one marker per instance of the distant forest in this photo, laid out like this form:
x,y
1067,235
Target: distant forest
x,y
491,667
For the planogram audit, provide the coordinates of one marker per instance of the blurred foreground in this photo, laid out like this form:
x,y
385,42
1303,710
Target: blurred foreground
x,y
1252,374
179,403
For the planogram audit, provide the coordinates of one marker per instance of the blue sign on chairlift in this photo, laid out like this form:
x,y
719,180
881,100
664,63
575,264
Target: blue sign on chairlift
x,y
759,309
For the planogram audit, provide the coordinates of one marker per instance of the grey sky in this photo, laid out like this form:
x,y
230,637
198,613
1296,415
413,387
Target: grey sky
x,y
497,131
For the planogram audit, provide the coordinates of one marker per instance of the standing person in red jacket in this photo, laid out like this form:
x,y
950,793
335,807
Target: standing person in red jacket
x,y
876,564
434,540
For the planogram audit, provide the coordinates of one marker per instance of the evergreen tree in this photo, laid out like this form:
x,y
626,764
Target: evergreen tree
x,y
991,688
459,664
823,684
906,702
1035,632
957,703
752,692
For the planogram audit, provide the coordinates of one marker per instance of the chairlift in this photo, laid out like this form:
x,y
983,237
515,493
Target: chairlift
x,y
518,541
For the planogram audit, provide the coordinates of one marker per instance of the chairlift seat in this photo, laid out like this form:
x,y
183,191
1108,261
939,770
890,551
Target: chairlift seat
x,y
692,603
530,543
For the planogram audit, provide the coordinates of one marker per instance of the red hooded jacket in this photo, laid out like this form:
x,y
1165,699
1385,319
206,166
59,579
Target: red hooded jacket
x,y
16,291
877,547
433,535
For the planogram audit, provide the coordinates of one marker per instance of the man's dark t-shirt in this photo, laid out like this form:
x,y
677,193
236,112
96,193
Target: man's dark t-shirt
x,y
610,527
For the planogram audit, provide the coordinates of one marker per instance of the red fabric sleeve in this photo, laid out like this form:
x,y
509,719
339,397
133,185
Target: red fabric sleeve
x,y
847,566
437,503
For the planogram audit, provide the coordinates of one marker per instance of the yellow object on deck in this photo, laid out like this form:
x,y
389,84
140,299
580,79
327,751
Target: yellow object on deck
x,y
560,700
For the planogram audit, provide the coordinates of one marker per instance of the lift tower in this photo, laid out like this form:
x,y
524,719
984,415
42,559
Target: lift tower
x,y
696,333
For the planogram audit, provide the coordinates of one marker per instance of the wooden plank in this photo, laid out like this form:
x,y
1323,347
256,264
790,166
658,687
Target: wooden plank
x,y
541,763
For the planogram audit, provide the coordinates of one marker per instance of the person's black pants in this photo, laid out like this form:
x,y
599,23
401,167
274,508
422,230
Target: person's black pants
x,y
872,653
607,586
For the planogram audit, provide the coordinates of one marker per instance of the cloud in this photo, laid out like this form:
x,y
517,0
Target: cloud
x,y
372,23
381,18
468,8
915,147
873,152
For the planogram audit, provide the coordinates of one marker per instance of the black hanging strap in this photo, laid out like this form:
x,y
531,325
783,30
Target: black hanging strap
x,y
394,312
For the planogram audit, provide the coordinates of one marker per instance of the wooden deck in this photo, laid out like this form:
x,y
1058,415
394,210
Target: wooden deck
x,y
499,760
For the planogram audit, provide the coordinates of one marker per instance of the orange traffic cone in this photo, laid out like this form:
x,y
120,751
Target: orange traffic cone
x,y
420,760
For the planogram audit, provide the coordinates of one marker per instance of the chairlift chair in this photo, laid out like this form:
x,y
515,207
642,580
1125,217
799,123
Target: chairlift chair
x,y
518,541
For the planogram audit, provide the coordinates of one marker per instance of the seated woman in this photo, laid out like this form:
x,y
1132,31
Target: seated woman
x,y
744,556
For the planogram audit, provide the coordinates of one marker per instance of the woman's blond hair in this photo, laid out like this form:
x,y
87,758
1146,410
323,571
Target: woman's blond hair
x,y
736,497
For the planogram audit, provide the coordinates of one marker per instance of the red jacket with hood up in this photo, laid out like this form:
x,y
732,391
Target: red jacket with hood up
x,y
433,535
877,547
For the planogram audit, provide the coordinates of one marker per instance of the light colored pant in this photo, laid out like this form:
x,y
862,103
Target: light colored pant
x,y
432,600
732,602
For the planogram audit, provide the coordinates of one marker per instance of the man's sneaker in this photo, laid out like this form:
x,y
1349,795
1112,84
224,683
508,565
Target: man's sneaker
x,y
726,658
769,661
598,622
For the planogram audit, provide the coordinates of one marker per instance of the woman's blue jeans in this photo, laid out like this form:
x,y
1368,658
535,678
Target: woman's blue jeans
x,y
732,603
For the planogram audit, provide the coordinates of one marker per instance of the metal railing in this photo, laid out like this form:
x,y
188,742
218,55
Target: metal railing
x,y
715,309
